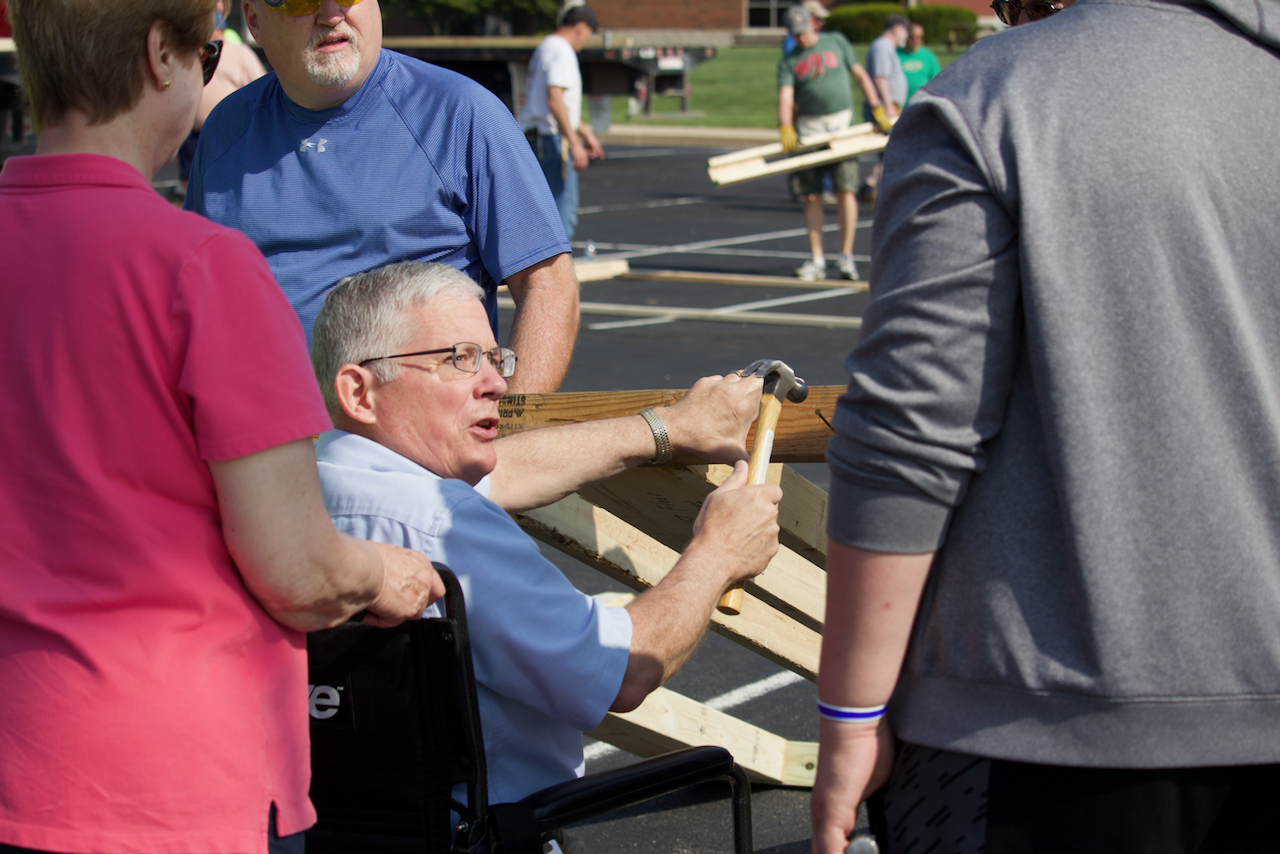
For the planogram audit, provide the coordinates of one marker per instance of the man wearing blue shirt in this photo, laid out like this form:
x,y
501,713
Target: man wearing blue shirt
x,y
414,462
348,156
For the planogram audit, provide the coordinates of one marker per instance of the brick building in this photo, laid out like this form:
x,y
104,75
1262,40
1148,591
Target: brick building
x,y
739,16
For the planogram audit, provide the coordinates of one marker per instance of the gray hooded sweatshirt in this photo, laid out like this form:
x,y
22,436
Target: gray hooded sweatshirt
x,y
1068,384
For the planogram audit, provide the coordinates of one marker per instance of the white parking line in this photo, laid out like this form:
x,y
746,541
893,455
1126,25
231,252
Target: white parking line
x,y
638,206
723,703
732,253
709,244
645,251
743,306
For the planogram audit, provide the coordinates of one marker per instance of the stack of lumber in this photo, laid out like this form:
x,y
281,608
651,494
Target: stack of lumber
x,y
631,527
751,164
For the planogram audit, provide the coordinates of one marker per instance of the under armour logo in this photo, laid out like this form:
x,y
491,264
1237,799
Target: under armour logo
x,y
318,146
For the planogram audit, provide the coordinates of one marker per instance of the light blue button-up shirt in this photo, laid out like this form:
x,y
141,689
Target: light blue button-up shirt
x,y
549,660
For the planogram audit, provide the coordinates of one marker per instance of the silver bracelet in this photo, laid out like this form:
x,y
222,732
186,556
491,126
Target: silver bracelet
x,y
660,438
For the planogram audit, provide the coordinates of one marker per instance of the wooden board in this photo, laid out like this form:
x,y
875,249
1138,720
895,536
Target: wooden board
x,y
637,560
601,270
741,279
752,164
663,502
773,149
802,514
801,435
669,721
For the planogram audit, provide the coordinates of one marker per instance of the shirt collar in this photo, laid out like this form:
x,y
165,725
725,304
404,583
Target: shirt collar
x,y
341,448
55,170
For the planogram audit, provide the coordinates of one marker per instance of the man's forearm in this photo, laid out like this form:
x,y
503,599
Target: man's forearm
x,y
538,467
882,87
734,538
545,327
868,88
560,112
668,621
786,106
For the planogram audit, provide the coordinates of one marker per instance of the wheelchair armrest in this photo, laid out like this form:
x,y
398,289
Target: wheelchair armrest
x,y
595,794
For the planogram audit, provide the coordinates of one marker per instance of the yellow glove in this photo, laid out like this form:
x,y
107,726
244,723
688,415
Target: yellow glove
x,y
789,139
881,119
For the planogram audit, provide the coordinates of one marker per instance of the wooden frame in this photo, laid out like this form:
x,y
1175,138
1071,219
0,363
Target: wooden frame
x,y
631,526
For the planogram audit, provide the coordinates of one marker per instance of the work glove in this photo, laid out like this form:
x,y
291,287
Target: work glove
x,y
789,139
881,118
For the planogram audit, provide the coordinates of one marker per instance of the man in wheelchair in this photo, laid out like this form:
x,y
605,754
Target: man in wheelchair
x,y
412,376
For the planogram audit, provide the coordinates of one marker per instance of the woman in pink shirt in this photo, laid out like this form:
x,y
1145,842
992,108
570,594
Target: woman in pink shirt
x,y
163,543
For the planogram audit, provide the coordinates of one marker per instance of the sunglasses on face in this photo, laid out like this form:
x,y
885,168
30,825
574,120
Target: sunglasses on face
x,y
298,8
1036,10
466,357
209,56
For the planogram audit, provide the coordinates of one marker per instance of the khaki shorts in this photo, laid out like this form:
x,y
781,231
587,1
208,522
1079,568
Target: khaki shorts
x,y
808,182
844,174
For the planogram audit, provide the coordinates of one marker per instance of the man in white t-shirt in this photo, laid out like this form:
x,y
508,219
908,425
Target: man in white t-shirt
x,y
553,110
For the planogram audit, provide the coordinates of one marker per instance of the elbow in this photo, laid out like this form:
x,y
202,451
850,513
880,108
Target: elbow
x,y
644,676
629,698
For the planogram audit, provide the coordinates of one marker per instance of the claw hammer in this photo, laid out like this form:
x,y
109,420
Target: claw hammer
x,y
779,382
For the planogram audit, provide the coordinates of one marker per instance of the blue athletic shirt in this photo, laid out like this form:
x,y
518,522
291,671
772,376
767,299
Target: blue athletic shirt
x,y
422,164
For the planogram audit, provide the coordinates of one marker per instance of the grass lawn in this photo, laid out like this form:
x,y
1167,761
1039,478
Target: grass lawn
x,y
737,89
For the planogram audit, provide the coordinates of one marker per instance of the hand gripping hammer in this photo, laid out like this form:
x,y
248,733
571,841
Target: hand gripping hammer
x,y
779,382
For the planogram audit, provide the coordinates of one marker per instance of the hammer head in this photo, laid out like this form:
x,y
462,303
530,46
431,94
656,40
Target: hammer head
x,y
779,380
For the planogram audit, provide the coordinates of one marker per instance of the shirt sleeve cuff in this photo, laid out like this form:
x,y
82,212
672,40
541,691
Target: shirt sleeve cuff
x,y
885,521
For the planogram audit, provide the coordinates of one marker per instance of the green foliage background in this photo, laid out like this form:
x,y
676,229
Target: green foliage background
x,y
460,17
863,22
739,88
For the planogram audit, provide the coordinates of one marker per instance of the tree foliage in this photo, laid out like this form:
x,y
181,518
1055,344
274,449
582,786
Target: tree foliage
x,y
861,22
467,17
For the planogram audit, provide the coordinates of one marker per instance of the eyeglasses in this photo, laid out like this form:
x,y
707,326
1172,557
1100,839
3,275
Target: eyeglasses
x,y
209,56
466,357
1037,10
298,8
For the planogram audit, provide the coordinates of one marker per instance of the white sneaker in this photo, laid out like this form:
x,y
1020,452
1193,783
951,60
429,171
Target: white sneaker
x,y
848,269
812,270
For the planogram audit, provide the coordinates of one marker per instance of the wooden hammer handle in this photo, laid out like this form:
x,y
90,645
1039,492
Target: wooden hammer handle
x,y
757,470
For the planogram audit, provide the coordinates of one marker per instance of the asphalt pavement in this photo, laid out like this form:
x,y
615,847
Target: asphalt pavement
x,y
656,207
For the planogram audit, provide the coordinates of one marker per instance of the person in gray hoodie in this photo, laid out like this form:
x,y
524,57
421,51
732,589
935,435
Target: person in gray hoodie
x,y
1055,494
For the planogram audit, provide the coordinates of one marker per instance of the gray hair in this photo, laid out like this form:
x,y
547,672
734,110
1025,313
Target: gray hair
x,y
364,317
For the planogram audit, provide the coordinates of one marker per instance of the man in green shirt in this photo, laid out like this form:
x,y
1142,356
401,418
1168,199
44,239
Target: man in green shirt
x,y
919,64
815,96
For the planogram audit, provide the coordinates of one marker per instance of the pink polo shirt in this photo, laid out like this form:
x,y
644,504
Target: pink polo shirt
x,y
147,702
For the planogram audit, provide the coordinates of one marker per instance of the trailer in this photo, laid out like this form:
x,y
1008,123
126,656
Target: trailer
x,y
499,64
